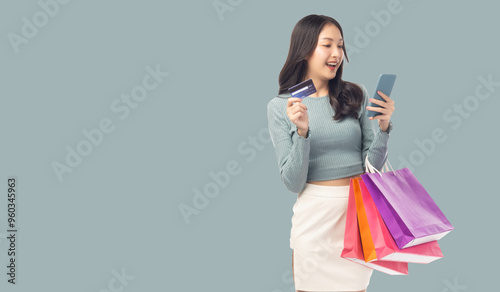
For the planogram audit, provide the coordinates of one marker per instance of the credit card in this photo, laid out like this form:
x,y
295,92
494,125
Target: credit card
x,y
303,89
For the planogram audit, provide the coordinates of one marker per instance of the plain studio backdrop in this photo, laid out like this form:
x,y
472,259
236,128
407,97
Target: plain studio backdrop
x,y
137,134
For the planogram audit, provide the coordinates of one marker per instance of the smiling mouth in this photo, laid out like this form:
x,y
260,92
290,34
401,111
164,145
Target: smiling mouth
x,y
331,67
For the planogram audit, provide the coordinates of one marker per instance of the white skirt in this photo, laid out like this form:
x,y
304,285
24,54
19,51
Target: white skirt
x,y
317,240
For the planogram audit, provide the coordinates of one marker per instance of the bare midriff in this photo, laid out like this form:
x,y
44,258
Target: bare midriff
x,y
335,182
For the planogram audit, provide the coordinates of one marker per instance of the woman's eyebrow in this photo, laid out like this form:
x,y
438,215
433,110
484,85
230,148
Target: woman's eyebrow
x,y
341,39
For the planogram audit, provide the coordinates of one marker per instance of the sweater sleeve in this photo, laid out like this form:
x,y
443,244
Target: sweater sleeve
x,y
292,150
374,142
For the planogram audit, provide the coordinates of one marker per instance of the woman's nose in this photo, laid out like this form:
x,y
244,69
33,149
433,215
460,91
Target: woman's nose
x,y
336,52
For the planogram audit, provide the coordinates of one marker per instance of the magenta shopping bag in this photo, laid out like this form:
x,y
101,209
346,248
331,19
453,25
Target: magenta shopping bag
x,y
383,245
409,212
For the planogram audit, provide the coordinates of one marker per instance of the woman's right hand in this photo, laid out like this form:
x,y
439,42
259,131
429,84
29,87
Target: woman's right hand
x,y
297,113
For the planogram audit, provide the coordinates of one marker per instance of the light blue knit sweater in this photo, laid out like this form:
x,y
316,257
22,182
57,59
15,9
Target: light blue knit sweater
x,y
333,149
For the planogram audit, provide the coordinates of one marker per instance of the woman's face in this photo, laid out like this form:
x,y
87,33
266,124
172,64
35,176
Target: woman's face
x,y
329,49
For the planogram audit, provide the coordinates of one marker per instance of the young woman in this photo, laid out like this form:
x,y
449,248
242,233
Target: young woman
x,y
321,142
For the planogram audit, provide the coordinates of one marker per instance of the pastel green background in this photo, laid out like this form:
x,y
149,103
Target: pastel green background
x,y
118,210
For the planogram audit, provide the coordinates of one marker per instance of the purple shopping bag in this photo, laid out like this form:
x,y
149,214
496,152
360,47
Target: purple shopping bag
x,y
409,212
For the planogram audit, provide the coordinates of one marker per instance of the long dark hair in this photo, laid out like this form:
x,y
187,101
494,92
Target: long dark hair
x,y
345,97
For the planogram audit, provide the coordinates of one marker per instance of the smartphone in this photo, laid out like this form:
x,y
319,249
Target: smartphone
x,y
384,84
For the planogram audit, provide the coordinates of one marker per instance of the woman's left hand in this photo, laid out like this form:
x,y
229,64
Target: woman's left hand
x,y
387,108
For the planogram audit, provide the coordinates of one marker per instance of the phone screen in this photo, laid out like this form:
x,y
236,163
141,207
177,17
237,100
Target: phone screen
x,y
385,84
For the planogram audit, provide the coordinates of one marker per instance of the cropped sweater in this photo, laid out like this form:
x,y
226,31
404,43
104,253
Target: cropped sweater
x,y
331,150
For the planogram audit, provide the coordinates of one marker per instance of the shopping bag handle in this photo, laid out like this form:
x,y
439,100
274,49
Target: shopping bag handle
x,y
371,169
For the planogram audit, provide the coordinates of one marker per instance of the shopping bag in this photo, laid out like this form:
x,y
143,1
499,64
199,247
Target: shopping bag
x,y
381,240
352,243
409,212
364,228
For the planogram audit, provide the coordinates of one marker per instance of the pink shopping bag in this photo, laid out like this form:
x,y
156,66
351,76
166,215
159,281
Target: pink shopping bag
x,y
352,244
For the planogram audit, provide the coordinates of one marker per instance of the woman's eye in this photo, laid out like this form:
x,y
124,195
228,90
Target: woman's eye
x,y
327,46
341,46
